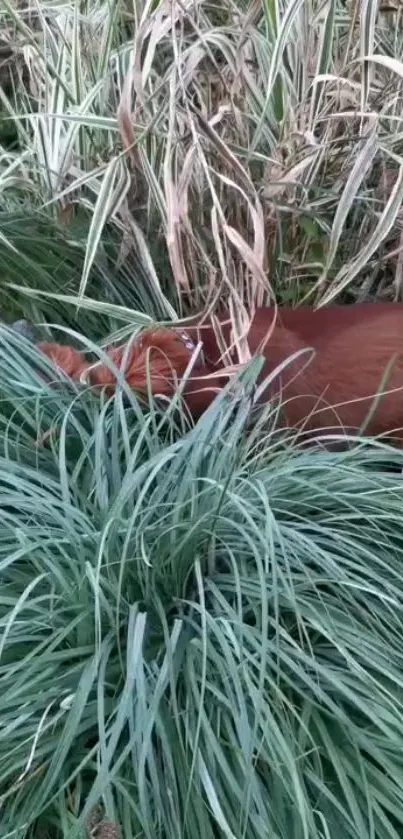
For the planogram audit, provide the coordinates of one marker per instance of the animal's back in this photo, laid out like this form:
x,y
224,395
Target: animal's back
x,y
357,356
314,325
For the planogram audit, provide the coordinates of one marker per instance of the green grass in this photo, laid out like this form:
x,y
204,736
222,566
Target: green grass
x,y
37,255
258,150
202,632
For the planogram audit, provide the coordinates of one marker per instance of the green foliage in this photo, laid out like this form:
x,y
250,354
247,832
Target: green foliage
x,y
255,148
201,632
37,253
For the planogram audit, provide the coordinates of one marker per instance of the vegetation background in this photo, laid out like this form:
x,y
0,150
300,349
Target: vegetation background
x,y
200,630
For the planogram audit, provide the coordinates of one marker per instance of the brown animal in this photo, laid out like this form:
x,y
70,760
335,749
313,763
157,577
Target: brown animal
x,y
357,354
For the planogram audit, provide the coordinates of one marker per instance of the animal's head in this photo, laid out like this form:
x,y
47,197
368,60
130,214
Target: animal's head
x,y
156,362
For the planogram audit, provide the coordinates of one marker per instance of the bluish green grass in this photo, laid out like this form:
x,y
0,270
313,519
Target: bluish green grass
x,y
200,632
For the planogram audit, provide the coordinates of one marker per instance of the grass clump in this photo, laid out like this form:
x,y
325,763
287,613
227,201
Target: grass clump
x,y
256,150
200,634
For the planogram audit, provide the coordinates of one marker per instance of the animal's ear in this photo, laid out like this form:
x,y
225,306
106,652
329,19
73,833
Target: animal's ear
x,y
67,359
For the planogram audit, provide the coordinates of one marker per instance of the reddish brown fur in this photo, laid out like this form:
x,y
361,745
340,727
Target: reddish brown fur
x,y
67,359
151,357
355,347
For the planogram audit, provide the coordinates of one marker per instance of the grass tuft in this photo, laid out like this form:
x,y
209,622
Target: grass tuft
x,y
201,634
258,151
